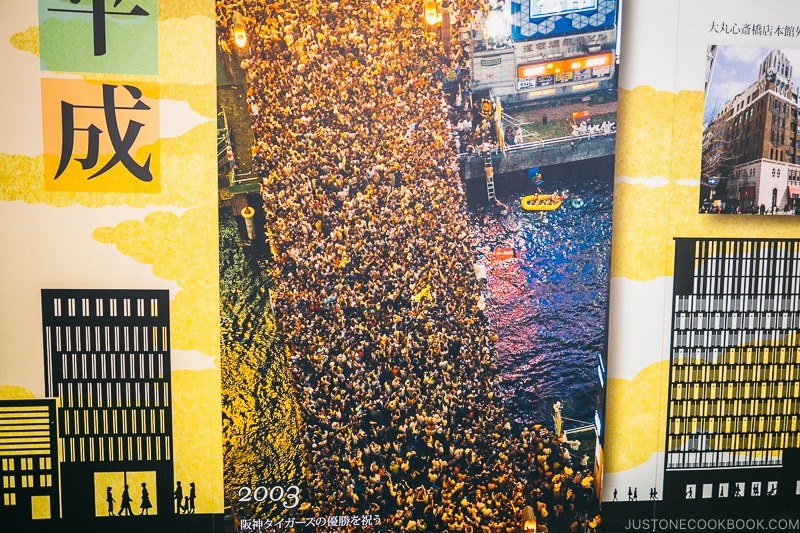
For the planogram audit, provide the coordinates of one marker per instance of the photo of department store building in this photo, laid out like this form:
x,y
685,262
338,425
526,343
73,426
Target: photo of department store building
x,y
750,160
734,392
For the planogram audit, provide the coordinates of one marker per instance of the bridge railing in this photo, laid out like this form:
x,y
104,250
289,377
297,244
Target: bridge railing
x,y
508,119
557,140
542,143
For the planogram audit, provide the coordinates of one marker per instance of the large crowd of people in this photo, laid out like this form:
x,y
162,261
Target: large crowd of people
x,y
375,287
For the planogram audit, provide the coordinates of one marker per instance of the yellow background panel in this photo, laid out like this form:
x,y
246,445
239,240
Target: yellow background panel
x,y
635,419
197,436
646,220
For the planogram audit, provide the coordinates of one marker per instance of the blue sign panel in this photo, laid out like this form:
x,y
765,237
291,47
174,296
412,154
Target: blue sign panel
x,y
534,19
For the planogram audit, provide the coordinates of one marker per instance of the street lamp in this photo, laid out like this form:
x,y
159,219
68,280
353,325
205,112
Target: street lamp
x,y
432,16
239,33
528,519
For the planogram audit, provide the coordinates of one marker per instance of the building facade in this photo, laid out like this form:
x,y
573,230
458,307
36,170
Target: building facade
x,y
734,392
550,49
107,361
750,147
29,461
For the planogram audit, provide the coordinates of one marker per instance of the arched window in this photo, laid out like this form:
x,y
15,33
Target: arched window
x,y
774,197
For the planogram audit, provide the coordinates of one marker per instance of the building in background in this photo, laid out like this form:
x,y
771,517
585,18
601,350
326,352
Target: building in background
x,y
29,460
538,49
107,361
750,154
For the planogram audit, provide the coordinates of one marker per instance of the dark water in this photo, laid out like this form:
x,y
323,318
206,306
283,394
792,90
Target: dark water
x,y
548,288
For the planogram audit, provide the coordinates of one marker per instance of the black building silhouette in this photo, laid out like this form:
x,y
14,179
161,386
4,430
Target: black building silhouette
x,y
28,461
734,392
107,361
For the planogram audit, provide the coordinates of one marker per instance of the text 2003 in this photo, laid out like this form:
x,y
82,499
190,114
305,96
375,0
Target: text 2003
x,y
290,496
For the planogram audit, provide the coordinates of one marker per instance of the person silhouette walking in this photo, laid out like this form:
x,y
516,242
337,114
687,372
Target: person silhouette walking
x,y
178,498
111,501
125,504
146,503
192,496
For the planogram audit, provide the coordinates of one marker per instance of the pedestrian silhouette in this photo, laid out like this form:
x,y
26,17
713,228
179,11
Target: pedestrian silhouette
x,y
755,490
689,494
111,501
146,504
178,498
636,494
192,496
615,495
738,492
630,494
125,504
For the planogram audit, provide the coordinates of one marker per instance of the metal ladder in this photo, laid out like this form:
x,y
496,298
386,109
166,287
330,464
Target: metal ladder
x,y
489,170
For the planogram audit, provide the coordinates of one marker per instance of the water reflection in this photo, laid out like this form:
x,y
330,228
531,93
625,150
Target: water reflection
x,y
548,288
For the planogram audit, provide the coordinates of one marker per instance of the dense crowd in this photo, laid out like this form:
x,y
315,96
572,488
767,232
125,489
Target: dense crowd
x,y
376,292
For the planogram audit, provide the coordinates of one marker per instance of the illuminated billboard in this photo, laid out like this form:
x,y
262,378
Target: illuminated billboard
x,y
563,71
559,7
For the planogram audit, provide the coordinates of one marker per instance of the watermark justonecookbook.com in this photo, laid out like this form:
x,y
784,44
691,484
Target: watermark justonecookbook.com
x,y
713,524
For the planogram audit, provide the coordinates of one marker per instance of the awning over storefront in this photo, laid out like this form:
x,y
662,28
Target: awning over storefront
x,y
794,192
748,192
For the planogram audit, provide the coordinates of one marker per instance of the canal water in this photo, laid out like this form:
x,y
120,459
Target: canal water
x,y
548,288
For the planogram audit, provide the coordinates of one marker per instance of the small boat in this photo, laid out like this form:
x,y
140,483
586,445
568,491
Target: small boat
x,y
541,202
500,254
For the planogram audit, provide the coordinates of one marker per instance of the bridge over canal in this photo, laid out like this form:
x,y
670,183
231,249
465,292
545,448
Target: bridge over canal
x,y
541,153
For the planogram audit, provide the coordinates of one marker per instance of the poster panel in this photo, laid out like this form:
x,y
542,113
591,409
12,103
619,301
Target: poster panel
x,y
109,313
413,315
703,349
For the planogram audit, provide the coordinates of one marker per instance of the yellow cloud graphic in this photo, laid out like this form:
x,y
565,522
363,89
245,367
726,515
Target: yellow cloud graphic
x,y
183,249
647,219
13,392
188,45
27,41
195,318
635,427
188,174
687,135
185,8
642,148
660,133
201,98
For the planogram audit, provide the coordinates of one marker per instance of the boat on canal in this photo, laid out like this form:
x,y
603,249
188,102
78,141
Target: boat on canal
x,y
542,202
